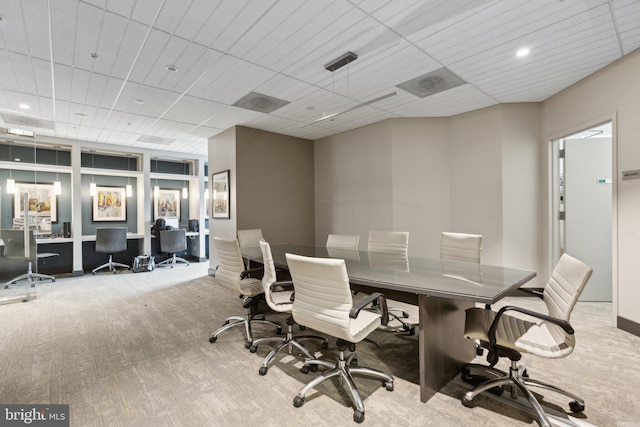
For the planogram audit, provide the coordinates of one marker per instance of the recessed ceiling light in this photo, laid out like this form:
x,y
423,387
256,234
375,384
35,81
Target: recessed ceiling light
x,y
172,68
94,55
81,115
522,53
24,106
139,101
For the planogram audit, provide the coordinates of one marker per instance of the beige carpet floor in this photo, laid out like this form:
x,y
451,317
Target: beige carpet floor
x,y
133,350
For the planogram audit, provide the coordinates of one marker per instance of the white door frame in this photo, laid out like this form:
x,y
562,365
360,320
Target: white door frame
x,y
552,194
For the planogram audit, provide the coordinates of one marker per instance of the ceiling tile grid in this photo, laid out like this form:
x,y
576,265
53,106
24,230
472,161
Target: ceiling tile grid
x,y
110,59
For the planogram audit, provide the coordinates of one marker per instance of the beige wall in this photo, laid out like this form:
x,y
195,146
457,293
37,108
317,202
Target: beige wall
x,y
612,93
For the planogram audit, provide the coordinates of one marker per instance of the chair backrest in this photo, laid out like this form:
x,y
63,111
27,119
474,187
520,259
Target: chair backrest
x,y
278,301
111,240
323,296
390,242
565,285
343,241
230,264
250,238
14,244
460,247
172,241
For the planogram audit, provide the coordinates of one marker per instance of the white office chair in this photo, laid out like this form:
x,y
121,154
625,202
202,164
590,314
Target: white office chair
x,y
460,247
278,298
391,248
343,241
544,335
232,275
250,238
323,302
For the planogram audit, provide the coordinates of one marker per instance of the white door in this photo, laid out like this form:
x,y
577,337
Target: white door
x,y
588,209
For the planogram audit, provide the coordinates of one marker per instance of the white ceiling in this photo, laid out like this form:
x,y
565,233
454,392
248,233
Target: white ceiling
x,y
226,49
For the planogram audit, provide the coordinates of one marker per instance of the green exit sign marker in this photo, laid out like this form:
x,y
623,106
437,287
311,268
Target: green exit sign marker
x,y
603,181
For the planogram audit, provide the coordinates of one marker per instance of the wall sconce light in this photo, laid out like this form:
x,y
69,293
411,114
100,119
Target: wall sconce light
x,y
156,190
11,183
185,191
129,188
92,188
57,185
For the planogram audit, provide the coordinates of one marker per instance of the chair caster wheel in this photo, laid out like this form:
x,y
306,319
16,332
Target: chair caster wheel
x,y
313,368
388,385
213,339
302,327
354,361
325,345
253,348
358,416
405,314
467,402
93,272
479,351
248,345
278,330
225,323
263,370
298,401
575,406
305,369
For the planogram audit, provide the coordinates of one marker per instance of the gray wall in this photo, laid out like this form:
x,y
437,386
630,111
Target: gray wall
x,y
271,178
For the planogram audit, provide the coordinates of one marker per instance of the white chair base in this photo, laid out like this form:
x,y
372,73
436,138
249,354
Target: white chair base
x,y
517,380
111,265
31,277
345,371
172,261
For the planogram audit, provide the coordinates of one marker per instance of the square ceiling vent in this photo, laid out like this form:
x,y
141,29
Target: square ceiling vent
x,y
432,83
258,102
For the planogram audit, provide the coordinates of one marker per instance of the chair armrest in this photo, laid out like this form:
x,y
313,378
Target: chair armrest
x,y
247,273
566,326
382,305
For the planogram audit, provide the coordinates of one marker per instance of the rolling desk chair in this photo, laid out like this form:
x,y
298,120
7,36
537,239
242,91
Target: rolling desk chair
x,y
172,242
544,335
232,275
278,298
16,251
343,241
392,246
110,241
322,286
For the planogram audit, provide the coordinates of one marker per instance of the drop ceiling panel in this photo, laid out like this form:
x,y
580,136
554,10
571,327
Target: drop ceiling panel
x,y
197,16
244,17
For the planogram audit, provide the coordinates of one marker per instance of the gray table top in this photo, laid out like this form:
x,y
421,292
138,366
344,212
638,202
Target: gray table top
x,y
421,276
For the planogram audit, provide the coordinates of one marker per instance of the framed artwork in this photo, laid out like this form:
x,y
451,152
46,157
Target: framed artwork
x,y
42,202
167,204
109,204
221,197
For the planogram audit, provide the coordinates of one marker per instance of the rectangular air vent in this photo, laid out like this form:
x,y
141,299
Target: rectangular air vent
x,y
258,102
432,83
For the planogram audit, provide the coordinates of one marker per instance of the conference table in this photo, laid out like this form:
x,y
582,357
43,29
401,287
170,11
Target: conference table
x,y
441,289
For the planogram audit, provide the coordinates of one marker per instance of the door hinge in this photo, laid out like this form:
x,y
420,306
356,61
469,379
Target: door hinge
x,y
561,154
561,215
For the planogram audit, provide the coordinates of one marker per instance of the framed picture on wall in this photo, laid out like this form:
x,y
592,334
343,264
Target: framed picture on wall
x,y
41,201
221,196
109,204
167,204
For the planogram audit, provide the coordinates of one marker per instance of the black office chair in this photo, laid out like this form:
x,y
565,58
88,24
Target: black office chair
x,y
172,242
16,252
110,241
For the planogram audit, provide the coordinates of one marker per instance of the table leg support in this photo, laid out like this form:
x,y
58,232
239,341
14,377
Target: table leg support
x,y
443,348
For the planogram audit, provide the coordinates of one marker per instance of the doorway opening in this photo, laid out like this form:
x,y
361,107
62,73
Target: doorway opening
x,y
583,203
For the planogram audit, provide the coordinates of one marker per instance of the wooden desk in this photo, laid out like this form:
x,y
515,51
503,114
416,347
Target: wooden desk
x,y
443,290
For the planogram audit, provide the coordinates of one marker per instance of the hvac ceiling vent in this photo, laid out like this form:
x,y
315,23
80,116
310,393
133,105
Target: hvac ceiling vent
x,y
28,121
431,83
156,139
258,102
